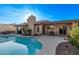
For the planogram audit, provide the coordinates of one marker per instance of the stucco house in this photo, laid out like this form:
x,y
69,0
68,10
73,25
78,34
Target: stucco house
x,y
45,27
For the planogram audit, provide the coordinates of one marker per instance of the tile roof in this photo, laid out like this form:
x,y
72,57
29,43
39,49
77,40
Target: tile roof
x,y
50,22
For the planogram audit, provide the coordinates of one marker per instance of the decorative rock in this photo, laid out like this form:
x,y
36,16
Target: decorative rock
x,y
65,48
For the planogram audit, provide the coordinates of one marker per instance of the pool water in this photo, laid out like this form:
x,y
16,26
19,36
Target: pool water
x,y
16,45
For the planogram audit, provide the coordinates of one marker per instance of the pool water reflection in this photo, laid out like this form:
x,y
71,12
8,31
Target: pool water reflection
x,y
20,45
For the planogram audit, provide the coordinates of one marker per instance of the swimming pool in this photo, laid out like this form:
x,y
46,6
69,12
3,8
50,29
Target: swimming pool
x,y
16,45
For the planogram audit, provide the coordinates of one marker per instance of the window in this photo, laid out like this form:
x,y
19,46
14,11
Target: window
x,y
37,29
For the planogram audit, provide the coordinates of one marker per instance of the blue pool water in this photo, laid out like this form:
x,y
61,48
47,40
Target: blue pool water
x,y
16,45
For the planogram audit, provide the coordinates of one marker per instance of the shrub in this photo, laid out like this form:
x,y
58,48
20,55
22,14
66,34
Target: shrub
x,y
74,36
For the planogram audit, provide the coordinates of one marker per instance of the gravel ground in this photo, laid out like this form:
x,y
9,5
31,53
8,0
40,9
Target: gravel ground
x,y
65,48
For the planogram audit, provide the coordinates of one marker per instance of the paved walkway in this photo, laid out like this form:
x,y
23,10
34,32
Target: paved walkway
x,y
49,44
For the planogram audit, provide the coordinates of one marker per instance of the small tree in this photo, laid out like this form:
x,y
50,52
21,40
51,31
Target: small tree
x,y
74,36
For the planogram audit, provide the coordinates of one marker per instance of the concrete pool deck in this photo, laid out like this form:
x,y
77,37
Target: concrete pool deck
x,y
49,44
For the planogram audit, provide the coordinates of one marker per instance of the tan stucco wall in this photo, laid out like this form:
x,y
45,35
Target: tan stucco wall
x,y
31,26
6,27
40,29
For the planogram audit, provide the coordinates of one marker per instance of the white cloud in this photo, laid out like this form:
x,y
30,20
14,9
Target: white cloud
x,y
10,14
20,15
39,15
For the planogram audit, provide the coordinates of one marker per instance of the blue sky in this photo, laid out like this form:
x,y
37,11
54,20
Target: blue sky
x,y
18,13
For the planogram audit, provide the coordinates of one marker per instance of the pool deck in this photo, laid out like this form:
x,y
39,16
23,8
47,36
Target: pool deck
x,y
49,44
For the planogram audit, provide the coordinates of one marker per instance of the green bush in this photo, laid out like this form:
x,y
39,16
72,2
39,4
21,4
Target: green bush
x,y
74,36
